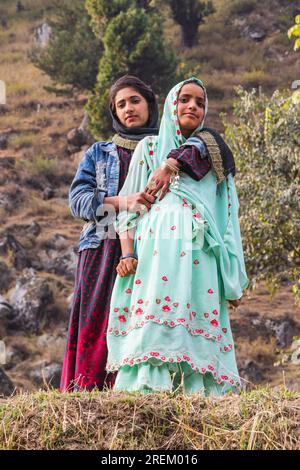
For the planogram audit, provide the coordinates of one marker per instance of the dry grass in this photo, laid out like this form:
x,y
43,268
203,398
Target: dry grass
x,y
21,141
261,419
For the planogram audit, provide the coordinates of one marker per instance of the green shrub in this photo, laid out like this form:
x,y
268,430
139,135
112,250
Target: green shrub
x,y
73,53
264,137
294,31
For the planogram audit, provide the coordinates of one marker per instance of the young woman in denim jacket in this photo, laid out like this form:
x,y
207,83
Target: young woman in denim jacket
x,y
94,198
98,180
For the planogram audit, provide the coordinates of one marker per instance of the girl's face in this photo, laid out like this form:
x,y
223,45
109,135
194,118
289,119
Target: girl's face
x,y
132,109
190,108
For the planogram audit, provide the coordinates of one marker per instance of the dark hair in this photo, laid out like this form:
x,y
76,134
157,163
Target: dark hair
x,y
132,82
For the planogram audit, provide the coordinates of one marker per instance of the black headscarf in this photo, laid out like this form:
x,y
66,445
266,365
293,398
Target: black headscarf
x,y
135,133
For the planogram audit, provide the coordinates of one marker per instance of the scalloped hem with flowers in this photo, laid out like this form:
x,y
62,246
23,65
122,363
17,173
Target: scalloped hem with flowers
x,y
171,347
149,377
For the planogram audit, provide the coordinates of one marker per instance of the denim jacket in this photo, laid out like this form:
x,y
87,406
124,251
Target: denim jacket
x,y
97,177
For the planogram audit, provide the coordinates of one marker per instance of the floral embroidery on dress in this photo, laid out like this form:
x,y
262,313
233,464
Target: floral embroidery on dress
x,y
203,368
139,311
175,322
100,176
166,308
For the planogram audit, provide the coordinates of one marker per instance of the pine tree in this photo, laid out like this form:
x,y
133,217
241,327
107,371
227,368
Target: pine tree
x,y
190,14
133,43
73,53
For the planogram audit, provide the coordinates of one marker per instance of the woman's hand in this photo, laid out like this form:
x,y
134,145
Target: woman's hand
x,y
161,179
235,303
137,202
127,266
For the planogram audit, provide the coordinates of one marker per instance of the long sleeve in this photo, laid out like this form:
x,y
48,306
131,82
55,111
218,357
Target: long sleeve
x,y
136,181
228,248
233,241
85,195
191,161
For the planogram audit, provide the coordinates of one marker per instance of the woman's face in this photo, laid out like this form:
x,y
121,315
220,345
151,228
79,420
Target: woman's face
x,y
190,108
132,109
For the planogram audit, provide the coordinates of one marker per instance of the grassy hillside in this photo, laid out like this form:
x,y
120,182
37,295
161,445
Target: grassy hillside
x,y
226,56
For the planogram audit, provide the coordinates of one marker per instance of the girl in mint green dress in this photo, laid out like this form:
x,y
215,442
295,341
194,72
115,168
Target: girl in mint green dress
x,y
169,322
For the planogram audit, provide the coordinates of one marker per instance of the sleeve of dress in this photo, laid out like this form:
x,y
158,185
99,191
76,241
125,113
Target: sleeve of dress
x,y
228,248
194,163
136,181
236,283
85,197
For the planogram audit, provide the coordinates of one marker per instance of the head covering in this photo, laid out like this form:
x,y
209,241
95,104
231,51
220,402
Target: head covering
x,y
170,136
135,133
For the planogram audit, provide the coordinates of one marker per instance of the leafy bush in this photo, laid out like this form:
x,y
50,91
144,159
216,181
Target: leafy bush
x,y
264,137
73,53
295,31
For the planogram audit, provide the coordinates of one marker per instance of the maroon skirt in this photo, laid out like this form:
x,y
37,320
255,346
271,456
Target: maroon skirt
x,y
86,352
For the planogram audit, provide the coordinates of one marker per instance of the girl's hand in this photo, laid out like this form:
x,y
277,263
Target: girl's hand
x,y
127,266
137,202
235,303
161,179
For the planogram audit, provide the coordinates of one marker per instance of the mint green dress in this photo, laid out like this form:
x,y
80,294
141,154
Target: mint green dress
x,y
169,324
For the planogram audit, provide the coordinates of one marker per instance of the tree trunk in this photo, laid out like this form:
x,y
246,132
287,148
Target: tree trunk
x,y
189,34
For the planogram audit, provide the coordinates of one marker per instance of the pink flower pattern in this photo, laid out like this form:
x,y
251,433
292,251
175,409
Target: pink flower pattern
x,y
211,329
166,308
202,369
